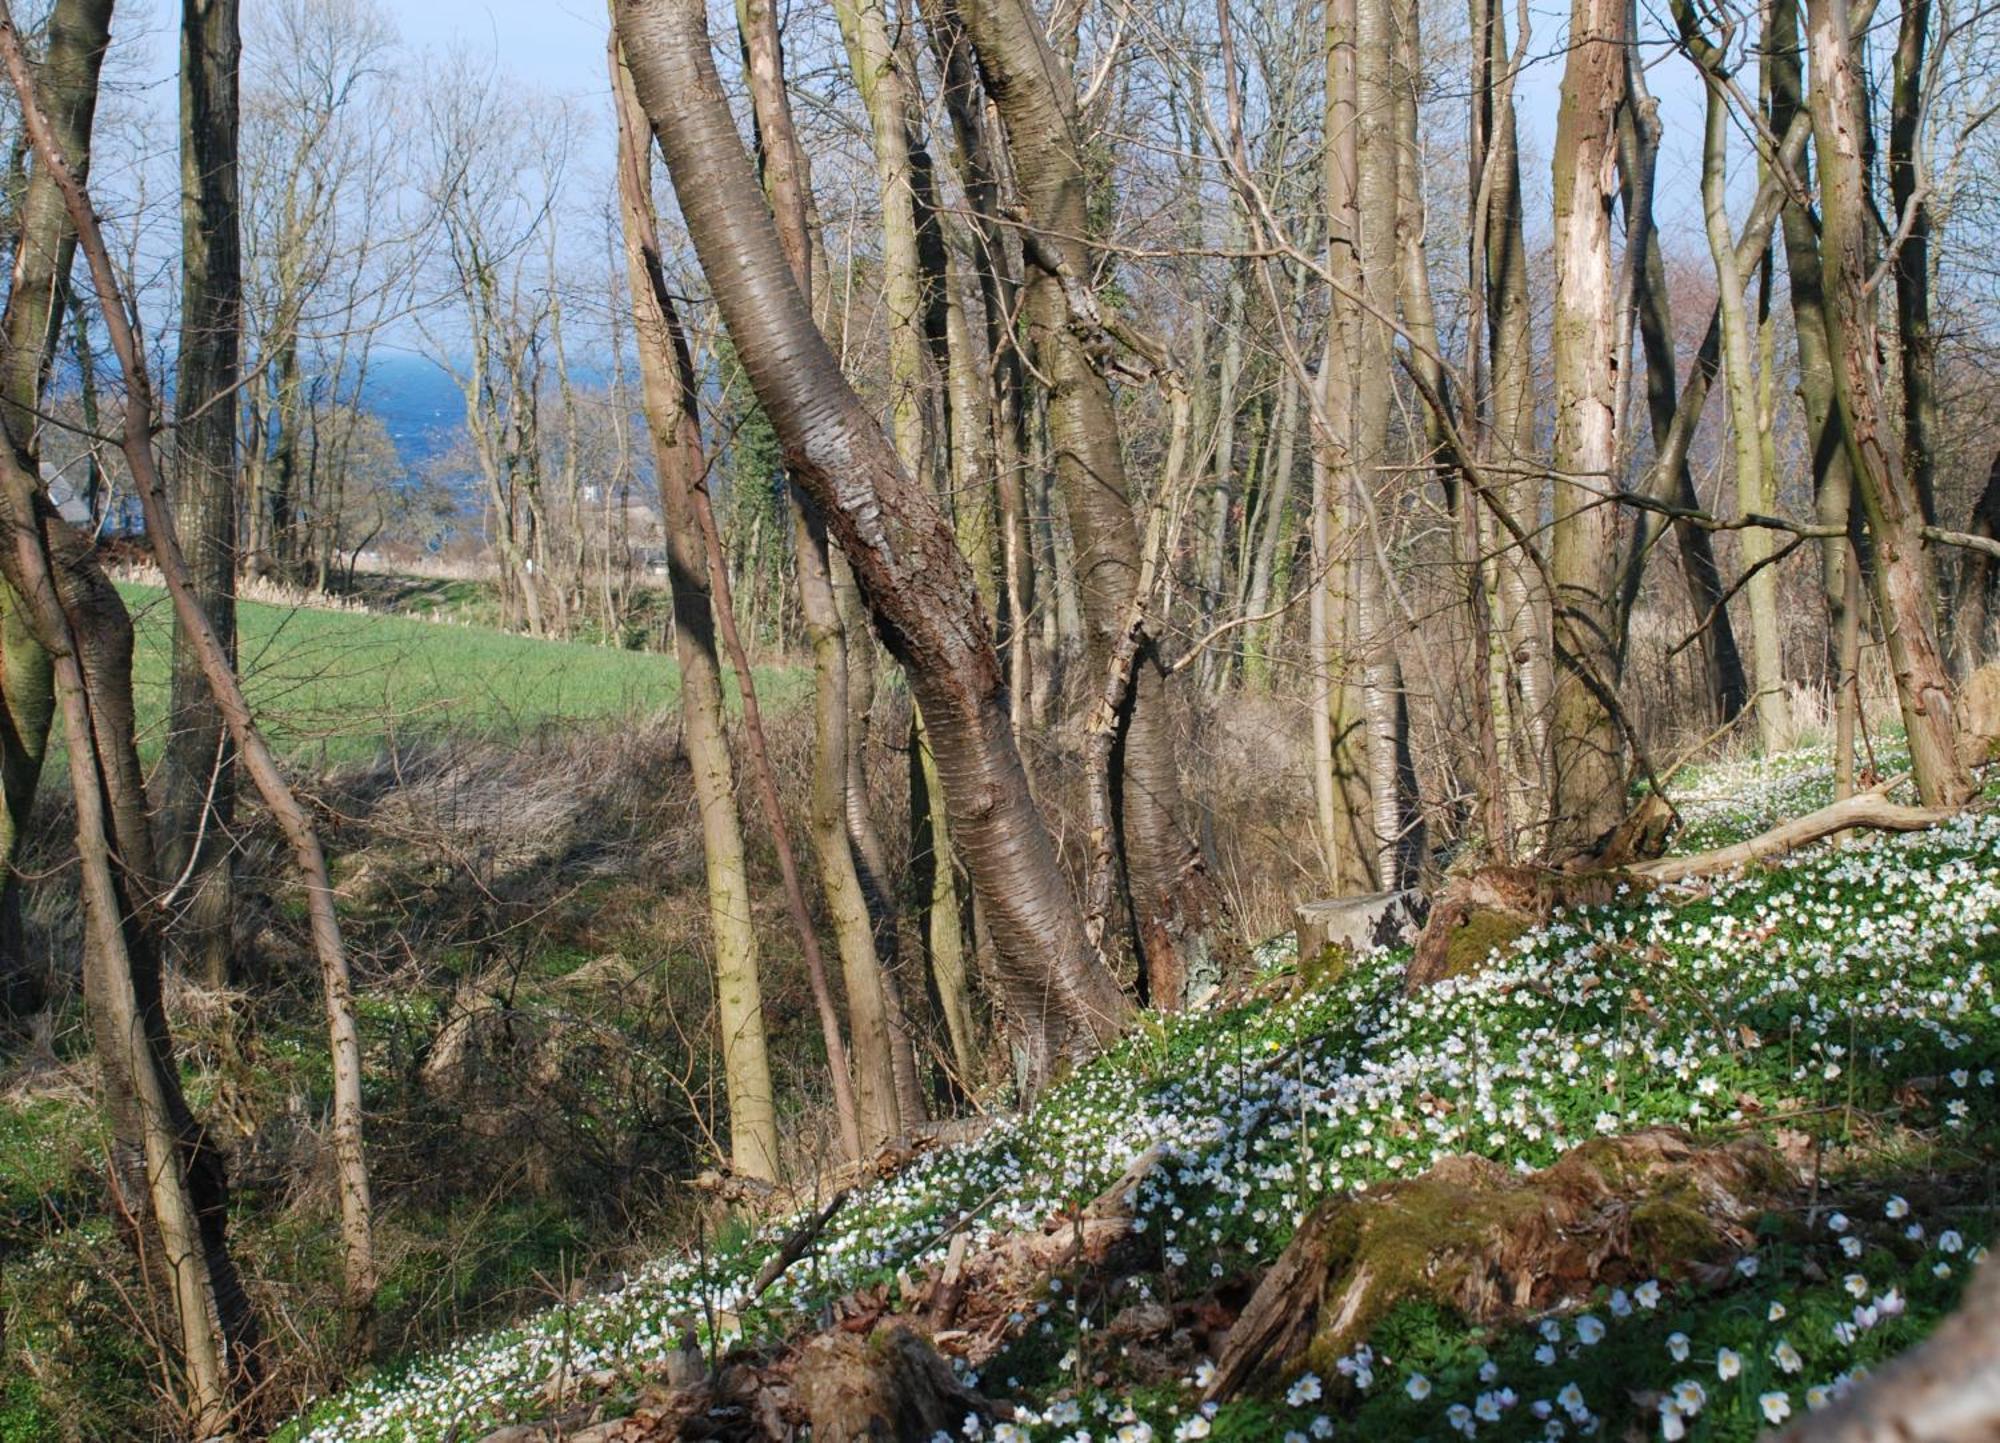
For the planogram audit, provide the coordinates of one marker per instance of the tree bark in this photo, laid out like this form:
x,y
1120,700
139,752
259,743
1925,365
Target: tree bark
x,y
1833,481
1904,586
78,32
905,558
198,766
1178,912
164,1167
979,176
1504,398
835,763
1916,342
1587,749
1722,660
1755,492
666,388
1341,779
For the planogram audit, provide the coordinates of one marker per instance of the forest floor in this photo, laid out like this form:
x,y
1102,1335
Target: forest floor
x,y
513,835
1843,1007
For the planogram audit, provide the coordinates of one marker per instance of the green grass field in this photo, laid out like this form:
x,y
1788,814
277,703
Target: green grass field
x,y
331,686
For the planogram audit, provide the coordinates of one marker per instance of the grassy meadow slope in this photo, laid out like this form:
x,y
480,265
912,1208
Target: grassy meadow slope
x,y
332,685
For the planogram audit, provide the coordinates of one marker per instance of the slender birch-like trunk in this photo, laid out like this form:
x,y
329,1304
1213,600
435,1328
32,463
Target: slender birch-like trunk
x,y
1755,489
666,381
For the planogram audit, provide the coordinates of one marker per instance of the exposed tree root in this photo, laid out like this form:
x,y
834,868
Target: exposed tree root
x,y
890,1385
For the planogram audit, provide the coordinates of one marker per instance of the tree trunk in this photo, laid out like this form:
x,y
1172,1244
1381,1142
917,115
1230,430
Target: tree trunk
x,y
678,463
1177,909
1587,749
198,766
77,33
1504,391
1005,410
876,1116
904,555
868,1012
167,1171
1915,340
1833,481
1722,661
1348,834
1904,586
1755,492
164,1171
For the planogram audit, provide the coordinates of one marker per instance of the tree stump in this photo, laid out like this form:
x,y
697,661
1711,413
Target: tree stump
x,y
1355,925
890,1384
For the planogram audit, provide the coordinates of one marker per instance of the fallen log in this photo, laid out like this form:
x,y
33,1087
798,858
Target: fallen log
x,y
1871,810
795,1245
1474,914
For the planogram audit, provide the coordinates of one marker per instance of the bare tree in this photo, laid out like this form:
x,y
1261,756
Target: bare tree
x,y
73,54
1905,588
905,558
1178,914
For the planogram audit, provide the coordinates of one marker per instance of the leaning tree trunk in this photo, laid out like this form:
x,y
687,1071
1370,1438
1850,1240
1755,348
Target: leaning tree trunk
x,y
1177,909
1587,749
678,465
905,558
77,33
913,296
1904,586
198,766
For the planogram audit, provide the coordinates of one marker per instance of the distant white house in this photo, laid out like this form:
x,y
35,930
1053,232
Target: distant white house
x,y
65,485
